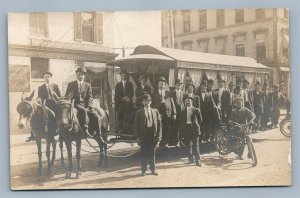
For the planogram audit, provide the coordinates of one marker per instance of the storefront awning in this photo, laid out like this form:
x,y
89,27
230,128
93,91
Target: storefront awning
x,y
95,67
285,69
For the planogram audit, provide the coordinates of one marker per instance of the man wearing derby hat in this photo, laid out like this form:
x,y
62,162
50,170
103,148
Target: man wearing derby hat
x,y
177,96
141,89
45,95
190,88
190,130
208,111
81,92
123,98
164,103
148,130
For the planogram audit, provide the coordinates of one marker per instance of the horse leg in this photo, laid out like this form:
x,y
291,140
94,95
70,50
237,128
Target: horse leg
x,y
53,152
39,147
70,164
61,145
48,143
78,149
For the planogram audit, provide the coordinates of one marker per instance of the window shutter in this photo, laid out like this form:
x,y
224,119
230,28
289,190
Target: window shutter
x,y
98,28
77,26
43,24
33,23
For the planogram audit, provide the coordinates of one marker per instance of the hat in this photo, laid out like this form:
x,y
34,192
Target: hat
x,y
161,79
257,83
145,97
237,88
141,78
231,84
123,71
81,69
48,72
188,84
221,80
210,81
177,81
203,82
246,81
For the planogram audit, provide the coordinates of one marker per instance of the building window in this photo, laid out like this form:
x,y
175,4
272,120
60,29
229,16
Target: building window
x,y
88,26
38,67
186,21
220,18
286,13
285,53
203,45
260,14
187,45
261,51
38,24
221,45
97,85
202,20
240,50
239,16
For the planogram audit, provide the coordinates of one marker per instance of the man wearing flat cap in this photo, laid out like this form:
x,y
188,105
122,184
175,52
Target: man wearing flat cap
x,y
164,103
207,109
123,98
45,95
148,130
177,96
141,89
81,92
190,130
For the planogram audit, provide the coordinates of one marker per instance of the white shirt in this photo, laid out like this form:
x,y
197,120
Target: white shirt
x,y
220,92
124,83
148,115
203,95
178,96
163,94
189,115
191,95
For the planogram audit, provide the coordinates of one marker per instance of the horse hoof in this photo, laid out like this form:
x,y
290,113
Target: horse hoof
x,y
39,172
68,175
78,174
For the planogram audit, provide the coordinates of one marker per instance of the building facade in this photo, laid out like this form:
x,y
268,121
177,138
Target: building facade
x,y
261,34
59,42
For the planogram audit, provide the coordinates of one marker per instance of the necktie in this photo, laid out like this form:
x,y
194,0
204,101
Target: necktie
x,y
149,120
49,91
80,90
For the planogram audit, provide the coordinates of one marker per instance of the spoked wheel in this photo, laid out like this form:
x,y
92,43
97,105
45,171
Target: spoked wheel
x,y
221,142
285,127
251,150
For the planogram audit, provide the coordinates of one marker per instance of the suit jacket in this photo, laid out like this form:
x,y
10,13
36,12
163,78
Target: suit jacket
x,y
139,91
196,101
267,103
43,92
224,101
86,99
179,106
169,102
207,105
140,124
120,93
196,119
257,99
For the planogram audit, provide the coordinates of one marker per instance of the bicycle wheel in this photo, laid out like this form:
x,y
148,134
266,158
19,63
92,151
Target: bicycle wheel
x,y
251,150
221,142
285,127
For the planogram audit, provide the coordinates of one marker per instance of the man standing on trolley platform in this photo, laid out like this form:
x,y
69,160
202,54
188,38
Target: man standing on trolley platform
x,y
123,99
148,129
163,101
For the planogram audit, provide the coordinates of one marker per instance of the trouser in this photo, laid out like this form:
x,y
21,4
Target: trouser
x,y
125,117
174,131
191,142
166,126
265,119
258,115
148,150
206,126
275,115
82,116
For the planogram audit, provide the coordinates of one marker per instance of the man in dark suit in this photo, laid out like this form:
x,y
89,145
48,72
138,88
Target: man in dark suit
x,y
222,99
81,92
267,105
190,88
245,91
210,85
124,106
257,99
45,95
148,129
177,96
141,89
163,102
190,118
207,109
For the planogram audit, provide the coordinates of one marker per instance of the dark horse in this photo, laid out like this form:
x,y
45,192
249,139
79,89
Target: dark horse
x,y
70,131
42,122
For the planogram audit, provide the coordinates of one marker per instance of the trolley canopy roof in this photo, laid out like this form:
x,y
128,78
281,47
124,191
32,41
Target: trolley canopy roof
x,y
176,58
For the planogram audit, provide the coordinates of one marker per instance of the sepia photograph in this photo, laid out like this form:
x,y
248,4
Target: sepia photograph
x,y
149,99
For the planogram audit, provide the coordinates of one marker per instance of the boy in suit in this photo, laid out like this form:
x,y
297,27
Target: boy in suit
x,y
148,129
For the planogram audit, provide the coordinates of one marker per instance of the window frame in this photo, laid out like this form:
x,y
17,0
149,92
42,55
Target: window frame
x,y
186,16
239,16
35,17
31,68
202,16
220,18
260,14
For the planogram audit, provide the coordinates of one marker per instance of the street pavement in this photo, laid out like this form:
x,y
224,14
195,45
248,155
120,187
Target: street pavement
x,y
123,171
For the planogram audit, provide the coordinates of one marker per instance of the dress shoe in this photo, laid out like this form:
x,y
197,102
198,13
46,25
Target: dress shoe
x,y
143,174
249,155
30,138
239,157
198,163
154,173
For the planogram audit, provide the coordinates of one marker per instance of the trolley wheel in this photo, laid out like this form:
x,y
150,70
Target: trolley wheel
x,y
251,150
221,142
285,127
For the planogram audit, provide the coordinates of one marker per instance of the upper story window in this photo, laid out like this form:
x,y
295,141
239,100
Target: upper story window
x,y
240,50
38,24
261,50
220,18
286,13
239,16
260,14
186,21
88,26
202,20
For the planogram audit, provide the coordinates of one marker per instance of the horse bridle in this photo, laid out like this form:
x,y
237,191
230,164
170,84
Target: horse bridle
x,y
31,109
